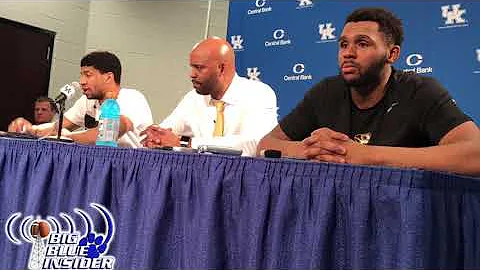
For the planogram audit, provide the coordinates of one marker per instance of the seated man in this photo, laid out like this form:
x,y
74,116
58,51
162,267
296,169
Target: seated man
x,y
373,114
45,110
224,109
100,73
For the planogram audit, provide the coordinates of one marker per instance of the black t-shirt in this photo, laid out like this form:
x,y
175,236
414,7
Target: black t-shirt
x,y
416,111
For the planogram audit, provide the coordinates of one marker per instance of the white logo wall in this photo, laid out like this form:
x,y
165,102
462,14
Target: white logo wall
x,y
294,44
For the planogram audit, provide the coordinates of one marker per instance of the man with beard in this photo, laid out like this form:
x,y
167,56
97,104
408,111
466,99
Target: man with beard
x,y
100,73
223,109
373,114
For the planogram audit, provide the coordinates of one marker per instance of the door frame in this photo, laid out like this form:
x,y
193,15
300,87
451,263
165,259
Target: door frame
x,y
49,55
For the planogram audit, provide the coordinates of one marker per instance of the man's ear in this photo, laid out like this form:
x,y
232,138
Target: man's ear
x,y
221,67
393,54
108,77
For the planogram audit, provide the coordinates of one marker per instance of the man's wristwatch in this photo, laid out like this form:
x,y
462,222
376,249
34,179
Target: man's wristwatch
x,y
185,141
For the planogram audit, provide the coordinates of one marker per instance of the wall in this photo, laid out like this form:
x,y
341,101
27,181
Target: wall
x,y
441,40
151,38
69,19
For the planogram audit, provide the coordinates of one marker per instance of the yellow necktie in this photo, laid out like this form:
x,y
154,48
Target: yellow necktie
x,y
220,106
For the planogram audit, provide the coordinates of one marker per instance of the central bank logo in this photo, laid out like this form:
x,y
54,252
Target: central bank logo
x,y
453,16
298,71
253,73
278,34
279,39
325,30
56,248
414,59
298,68
414,62
304,4
260,7
260,3
237,42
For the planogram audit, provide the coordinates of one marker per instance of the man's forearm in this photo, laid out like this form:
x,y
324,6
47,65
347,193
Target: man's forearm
x,y
43,130
461,157
90,136
288,148
85,136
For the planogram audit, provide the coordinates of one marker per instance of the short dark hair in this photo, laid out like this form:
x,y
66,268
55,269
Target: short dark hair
x,y
389,24
53,106
104,62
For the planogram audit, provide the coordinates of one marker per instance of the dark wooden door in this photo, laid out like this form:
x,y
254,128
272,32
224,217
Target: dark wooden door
x,y
25,62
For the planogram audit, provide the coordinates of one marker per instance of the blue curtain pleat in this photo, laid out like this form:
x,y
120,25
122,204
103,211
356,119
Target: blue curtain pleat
x,y
191,211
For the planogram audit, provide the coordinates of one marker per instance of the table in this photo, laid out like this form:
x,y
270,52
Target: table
x,y
181,210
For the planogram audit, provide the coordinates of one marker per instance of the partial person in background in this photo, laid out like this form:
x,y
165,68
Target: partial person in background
x,y
373,114
100,73
223,109
45,110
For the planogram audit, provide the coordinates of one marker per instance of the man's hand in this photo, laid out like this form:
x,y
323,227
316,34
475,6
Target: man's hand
x,y
21,125
325,144
158,137
125,125
357,153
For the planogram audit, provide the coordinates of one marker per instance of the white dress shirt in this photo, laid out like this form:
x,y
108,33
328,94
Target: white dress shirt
x,y
132,104
250,113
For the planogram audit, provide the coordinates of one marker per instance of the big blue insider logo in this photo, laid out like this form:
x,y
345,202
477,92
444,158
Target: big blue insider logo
x,y
55,248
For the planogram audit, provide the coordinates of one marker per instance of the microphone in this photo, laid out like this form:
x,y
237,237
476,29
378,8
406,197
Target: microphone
x,y
67,91
223,150
272,153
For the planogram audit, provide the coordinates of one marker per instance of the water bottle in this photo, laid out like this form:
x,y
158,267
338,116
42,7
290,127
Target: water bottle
x,y
109,122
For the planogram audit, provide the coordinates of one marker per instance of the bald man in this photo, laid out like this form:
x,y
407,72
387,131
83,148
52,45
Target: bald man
x,y
223,109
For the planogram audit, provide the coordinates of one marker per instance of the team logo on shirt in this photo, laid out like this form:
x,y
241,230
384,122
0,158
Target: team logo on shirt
x,y
363,138
454,16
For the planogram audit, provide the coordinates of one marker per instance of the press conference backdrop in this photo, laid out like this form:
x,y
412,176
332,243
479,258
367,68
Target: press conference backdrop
x,y
291,45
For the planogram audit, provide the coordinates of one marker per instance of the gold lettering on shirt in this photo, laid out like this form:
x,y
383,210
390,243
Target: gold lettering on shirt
x,y
363,138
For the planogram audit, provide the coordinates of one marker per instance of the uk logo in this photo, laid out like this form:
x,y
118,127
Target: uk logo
x,y
326,32
453,15
253,73
304,4
237,42
54,247
478,60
